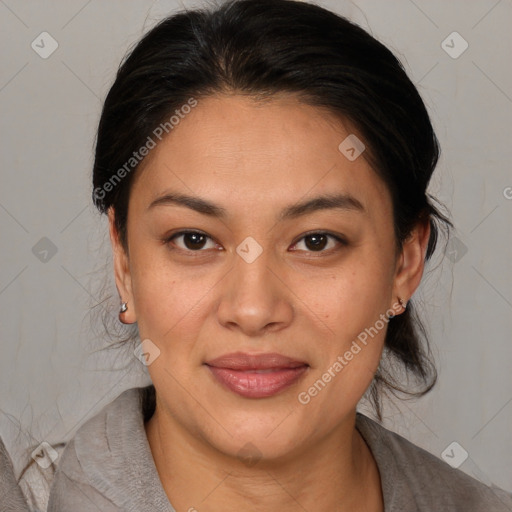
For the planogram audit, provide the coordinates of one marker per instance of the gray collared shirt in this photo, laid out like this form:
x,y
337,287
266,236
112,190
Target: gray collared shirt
x,y
108,467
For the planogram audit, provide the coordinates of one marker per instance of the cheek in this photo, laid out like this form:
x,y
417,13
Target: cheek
x,y
350,309
348,300
168,300
347,359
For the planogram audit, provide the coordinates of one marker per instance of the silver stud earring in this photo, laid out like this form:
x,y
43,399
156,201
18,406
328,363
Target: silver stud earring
x,y
124,307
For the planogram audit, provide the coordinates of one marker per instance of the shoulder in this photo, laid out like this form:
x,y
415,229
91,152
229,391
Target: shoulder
x,y
71,489
415,478
97,440
95,470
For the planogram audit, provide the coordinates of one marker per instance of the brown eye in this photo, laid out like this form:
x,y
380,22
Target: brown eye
x,y
191,241
318,242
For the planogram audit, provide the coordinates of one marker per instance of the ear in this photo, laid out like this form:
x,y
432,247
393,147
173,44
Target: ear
x,y
121,272
411,262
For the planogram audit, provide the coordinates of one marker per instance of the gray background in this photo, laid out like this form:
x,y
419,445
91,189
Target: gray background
x,y
52,376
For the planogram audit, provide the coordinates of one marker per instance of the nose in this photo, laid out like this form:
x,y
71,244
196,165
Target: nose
x,y
255,298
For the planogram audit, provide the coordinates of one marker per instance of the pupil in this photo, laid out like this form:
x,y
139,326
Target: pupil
x,y
196,239
317,241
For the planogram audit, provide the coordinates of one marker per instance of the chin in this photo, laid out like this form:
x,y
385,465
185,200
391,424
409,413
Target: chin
x,y
256,436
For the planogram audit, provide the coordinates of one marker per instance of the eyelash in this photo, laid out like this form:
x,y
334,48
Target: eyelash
x,y
337,238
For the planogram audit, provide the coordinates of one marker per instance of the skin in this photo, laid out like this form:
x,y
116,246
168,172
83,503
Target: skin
x,y
254,160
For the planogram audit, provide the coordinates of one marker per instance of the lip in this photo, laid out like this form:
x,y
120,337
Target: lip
x,y
241,361
258,375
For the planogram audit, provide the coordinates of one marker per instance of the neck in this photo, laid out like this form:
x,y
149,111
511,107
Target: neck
x,y
338,473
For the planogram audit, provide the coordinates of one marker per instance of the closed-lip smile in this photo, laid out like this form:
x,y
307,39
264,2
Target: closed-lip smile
x,y
256,375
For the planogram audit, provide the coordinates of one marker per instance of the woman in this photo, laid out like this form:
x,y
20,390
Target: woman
x,y
264,168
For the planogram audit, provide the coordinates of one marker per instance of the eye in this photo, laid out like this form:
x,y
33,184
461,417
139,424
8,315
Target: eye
x,y
319,242
194,241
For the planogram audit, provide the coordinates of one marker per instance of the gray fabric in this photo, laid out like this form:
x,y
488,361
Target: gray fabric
x,y
11,497
35,481
108,467
414,480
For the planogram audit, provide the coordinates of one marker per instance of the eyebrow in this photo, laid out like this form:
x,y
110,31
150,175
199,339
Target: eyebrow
x,y
344,202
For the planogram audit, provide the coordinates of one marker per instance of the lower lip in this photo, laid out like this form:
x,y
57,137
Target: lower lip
x,y
257,385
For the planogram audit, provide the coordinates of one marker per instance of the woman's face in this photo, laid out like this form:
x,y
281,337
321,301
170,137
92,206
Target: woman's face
x,y
275,269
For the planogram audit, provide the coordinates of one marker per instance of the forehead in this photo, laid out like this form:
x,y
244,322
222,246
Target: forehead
x,y
233,149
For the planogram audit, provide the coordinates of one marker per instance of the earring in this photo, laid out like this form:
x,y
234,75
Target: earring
x,y
124,307
403,303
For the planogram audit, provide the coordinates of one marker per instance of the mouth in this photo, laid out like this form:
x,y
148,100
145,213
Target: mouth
x,y
256,376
